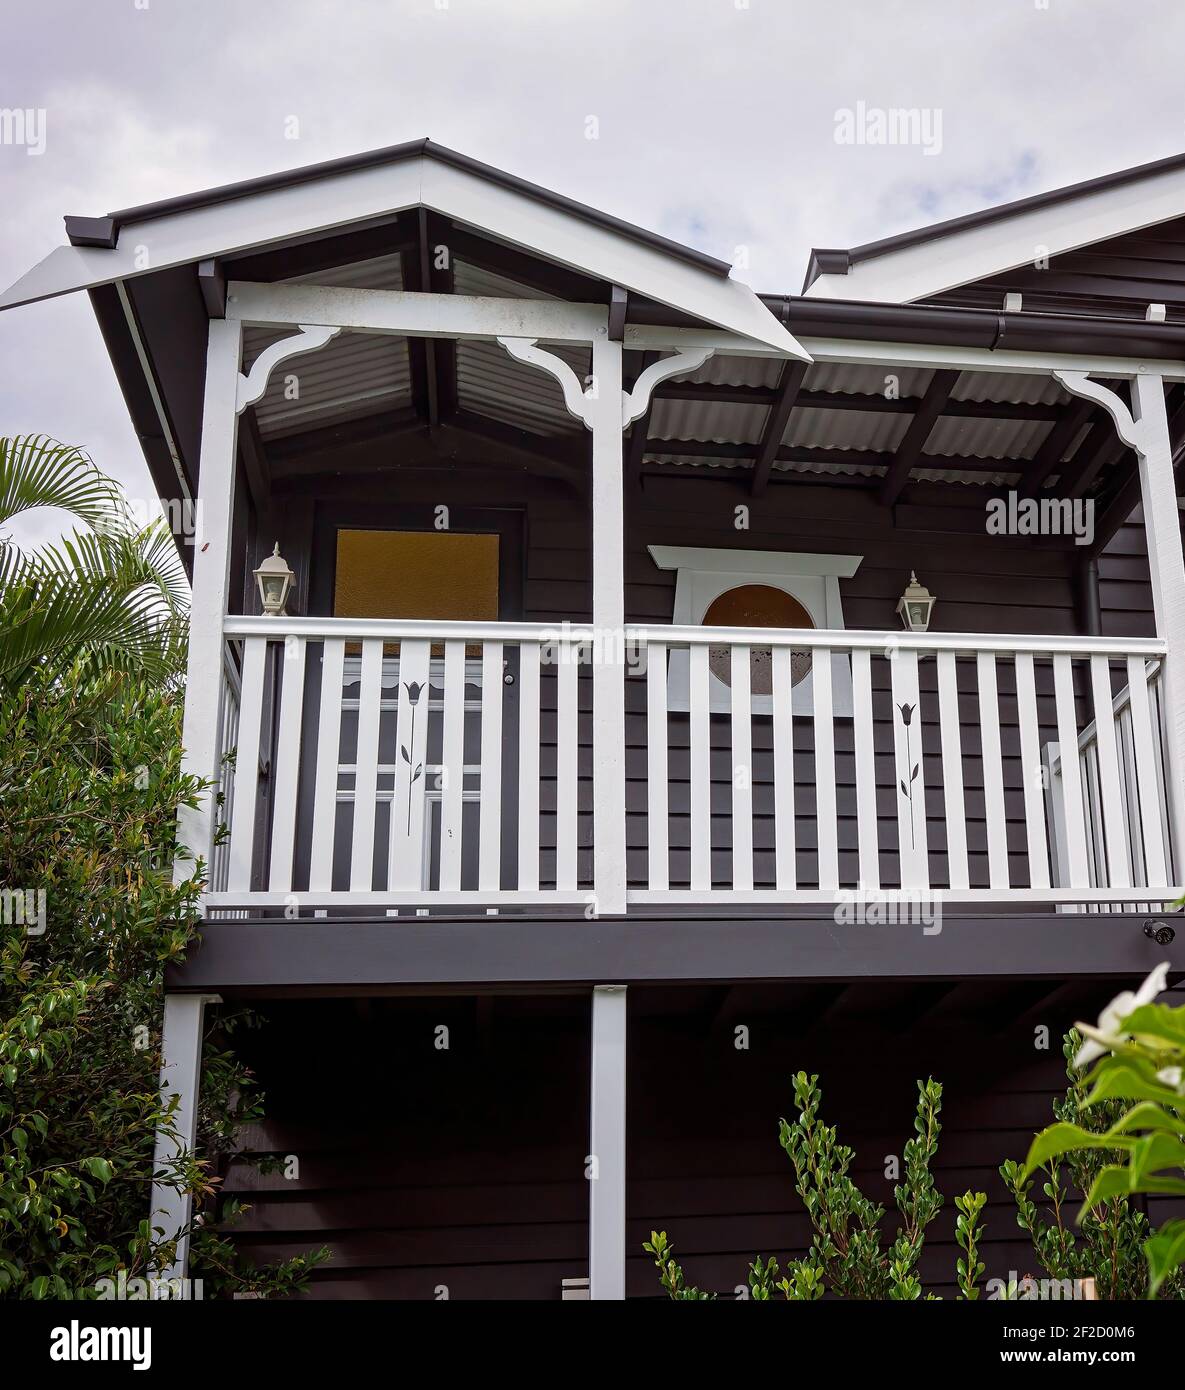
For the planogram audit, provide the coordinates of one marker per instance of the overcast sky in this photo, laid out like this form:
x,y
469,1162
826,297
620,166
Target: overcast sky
x,y
713,121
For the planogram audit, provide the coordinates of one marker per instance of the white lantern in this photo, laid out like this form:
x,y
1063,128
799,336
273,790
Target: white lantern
x,y
275,583
915,605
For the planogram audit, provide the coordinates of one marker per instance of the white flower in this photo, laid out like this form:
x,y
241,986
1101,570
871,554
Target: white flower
x,y
1106,1036
1171,1076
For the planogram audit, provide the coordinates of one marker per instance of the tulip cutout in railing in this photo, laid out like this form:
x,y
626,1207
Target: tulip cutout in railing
x,y
414,691
907,713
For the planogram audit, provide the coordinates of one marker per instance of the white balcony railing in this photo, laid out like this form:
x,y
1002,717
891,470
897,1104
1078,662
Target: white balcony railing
x,y
1138,731
387,766
384,764
897,764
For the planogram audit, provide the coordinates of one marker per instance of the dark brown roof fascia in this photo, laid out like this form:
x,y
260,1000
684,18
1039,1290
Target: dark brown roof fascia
x,y
86,231
985,216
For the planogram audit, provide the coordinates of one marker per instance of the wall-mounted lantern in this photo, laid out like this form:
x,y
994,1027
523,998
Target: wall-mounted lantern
x,y
915,605
275,583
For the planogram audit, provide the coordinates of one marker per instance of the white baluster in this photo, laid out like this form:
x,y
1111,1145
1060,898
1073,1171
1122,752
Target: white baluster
x,y
864,740
993,770
1077,862
825,807
452,757
786,869
657,826
1108,758
242,830
405,859
489,872
1146,774
567,730
910,782
329,725
286,773
700,757
1031,771
954,800
528,767
741,717
366,765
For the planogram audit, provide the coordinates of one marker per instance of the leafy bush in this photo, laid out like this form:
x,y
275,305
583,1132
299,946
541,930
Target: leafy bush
x,y
90,784
1122,1136
847,1256
1107,1245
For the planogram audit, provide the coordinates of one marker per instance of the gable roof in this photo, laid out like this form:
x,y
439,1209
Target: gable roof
x,y
104,231
259,213
924,262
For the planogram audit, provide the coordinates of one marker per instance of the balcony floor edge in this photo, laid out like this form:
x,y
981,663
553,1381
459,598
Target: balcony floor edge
x,y
344,956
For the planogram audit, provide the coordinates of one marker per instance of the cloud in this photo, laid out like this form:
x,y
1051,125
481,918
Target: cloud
x,y
714,122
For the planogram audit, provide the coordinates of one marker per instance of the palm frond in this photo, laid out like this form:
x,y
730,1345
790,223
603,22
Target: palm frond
x,y
116,600
36,471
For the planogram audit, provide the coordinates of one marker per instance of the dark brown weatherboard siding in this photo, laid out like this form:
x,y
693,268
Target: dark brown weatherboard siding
x,y
1125,589
465,1168
1119,277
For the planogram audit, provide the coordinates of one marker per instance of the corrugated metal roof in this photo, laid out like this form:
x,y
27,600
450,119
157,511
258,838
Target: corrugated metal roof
x,y
867,431
831,468
379,273
353,375
987,439
781,466
845,429
968,479
722,422
495,384
1009,386
492,383
866,380
721,370
471,279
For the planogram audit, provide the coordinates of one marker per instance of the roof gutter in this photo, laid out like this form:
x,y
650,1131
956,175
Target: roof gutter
x,y
981,328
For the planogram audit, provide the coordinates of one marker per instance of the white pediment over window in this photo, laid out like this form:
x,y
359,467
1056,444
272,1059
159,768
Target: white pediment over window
x,y
756,588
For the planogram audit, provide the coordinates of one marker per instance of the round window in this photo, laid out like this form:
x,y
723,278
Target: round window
x,y
757,605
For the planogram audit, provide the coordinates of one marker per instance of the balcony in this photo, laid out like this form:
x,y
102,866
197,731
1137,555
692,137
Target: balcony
x,y
386,768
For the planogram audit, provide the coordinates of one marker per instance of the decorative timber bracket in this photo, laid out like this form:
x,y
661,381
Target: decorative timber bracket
x,y
253,384
580,401
1134,433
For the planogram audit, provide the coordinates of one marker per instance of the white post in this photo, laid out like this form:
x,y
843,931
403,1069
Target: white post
x,y
211,581
1166,564
180,1075
606,1202
182,1037
608,605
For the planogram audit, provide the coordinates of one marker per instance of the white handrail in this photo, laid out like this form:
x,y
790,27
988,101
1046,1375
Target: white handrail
x,y
393,630
398,629
848,639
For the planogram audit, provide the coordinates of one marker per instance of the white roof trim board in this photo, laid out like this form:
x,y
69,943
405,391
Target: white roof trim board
x,y
270,216
961,256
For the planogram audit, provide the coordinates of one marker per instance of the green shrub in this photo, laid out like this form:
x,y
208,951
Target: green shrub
x,y
847,1257
90,785
1120,1133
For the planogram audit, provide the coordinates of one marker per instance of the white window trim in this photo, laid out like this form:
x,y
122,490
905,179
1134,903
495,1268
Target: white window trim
x,y
702,575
